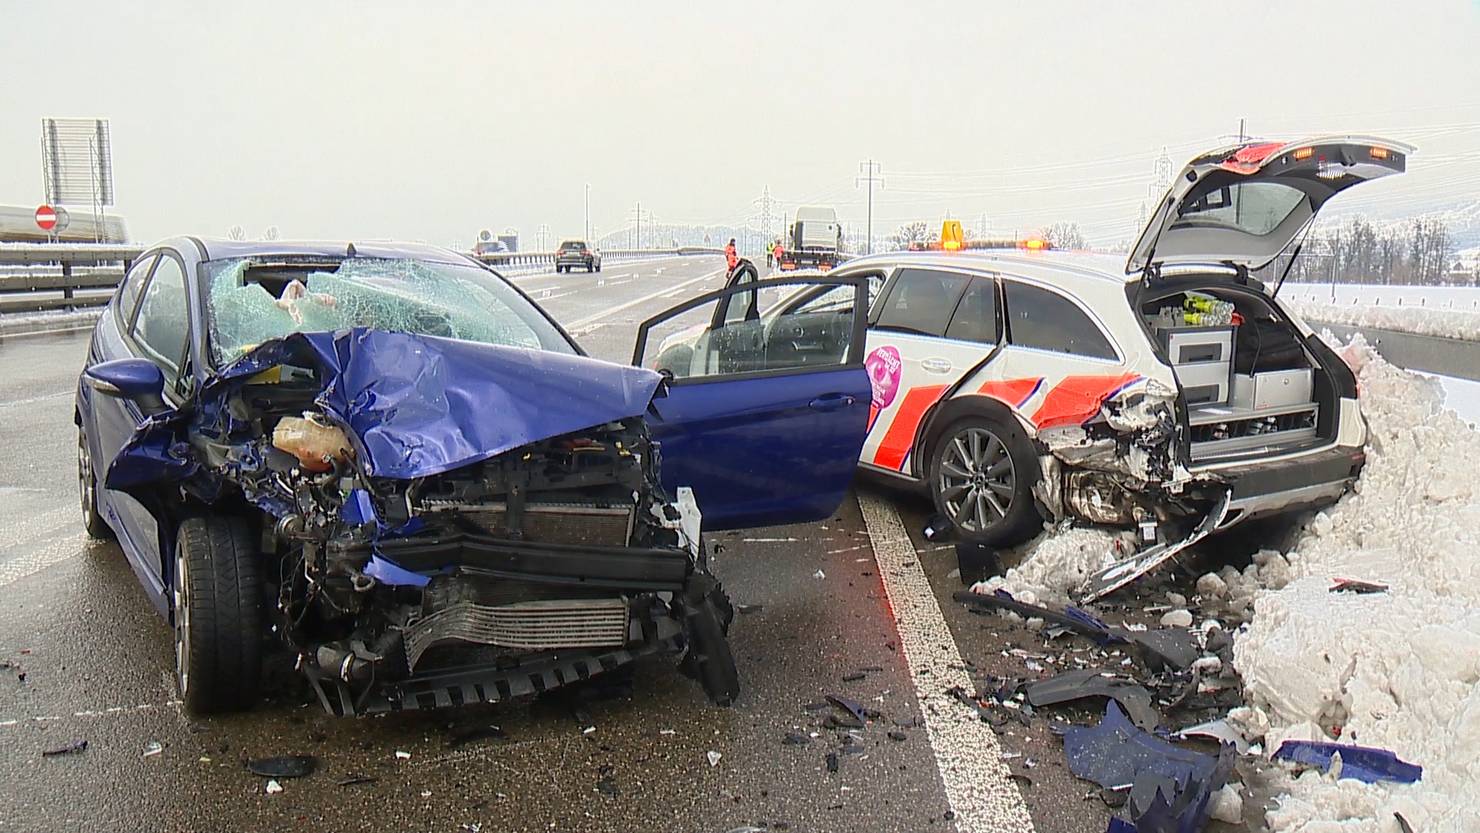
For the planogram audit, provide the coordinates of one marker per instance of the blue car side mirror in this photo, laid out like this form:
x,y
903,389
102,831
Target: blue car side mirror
x,y
139,380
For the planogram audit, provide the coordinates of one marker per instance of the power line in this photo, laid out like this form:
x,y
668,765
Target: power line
x,y
871,171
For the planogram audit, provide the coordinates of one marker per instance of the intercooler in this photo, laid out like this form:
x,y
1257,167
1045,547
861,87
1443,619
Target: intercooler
x,y
525,626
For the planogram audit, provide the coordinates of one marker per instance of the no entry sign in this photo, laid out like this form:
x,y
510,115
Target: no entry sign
x,y
46,218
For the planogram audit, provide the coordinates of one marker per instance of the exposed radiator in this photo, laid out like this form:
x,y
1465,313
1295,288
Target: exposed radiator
x,y
525,626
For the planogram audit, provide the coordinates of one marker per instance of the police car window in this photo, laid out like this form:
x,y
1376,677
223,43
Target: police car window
x,y
1046,320
836,299
133,283
976,316
163,320
921,302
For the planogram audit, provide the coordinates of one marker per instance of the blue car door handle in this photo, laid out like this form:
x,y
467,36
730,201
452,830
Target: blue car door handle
x,y
831,402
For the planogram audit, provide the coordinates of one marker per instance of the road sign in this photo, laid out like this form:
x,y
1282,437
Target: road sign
x,y
46,217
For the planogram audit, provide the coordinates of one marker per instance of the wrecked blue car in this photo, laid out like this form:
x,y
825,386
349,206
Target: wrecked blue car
x,y
388,463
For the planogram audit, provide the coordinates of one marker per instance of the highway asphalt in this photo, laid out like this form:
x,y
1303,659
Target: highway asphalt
x,y
644,752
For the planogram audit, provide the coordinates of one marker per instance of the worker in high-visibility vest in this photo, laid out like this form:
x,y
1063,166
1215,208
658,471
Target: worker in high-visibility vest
x,y
731,257
776,253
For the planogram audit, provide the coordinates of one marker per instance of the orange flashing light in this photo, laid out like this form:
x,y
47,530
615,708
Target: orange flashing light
x,y
1378,153
1303,153
1035,244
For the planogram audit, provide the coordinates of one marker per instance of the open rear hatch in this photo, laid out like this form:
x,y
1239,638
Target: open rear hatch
x,y
1242,206
1253,384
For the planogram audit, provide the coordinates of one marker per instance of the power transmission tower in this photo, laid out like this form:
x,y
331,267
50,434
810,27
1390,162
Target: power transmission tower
x,y
870,171
543,233
637,216
765,216
1161,180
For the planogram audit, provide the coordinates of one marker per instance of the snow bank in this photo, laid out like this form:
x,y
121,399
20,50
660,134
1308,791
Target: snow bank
x,y
1426,321
1396,670
1055,564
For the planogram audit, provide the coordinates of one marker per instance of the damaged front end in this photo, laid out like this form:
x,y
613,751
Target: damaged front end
x,y
443,523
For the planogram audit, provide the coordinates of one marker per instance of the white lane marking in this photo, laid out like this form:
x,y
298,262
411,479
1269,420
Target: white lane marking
x,y
976,780
54,553
47,398
112,711
574,327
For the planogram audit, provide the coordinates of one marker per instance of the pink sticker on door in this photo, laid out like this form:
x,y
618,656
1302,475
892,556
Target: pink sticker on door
x,y
883,367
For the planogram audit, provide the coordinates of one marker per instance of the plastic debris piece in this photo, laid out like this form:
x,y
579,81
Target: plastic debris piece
x,y
819,574
795,739
1364,763
1170,787
977,561
1092,682
1220,730
853,676
897,735
1173,648
937,528
469,734
273,788
713,757
1353,585
355,780
1402,822
747,609
153,748
854,708
832,761
283,766
69,748
402,756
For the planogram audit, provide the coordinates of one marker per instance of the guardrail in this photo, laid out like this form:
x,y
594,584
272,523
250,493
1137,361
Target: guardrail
x,y
41,277
1452,357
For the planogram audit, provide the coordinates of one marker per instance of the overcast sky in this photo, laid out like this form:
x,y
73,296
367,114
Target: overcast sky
x,y
431,121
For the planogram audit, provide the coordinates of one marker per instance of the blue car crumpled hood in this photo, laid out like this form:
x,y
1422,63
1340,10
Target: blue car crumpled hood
x,y
414,405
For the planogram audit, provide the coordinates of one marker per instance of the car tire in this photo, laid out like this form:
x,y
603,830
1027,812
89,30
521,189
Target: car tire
x,y
217,602
982,473
87,490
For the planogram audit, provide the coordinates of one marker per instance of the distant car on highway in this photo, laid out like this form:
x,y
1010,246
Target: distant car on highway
x,y
575,253
1176,396
390,463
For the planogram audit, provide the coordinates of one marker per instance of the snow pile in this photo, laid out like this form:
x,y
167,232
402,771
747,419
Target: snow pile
x,y
1397,670
1056,564
1427,321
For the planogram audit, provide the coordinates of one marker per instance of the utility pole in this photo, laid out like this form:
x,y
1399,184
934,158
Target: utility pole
x,y
1240,131
637,225
543,232
869,172
588,214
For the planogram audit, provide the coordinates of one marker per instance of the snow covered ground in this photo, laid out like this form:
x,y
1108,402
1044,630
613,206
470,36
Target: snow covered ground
x,y
1397,670
1348,294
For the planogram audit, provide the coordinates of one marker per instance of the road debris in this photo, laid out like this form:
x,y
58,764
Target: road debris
x,y
283,766
1220,730
273,788
1170,788
1353,585
153,748
355,779
458,736
71,747
1364,763
1094,682
713,757
402,756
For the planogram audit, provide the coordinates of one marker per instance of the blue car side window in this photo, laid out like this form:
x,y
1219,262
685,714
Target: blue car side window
x,y
163,324
133,283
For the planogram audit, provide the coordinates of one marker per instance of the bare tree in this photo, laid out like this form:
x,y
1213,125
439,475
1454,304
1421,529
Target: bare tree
x,y
910,233
1064,236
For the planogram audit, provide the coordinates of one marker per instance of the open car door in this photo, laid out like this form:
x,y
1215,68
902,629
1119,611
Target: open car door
x,y
1244,205
763,413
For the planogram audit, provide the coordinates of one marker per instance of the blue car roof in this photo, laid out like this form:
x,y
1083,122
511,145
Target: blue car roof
x,y
220,249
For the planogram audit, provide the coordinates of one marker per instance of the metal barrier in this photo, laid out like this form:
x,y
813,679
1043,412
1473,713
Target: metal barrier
x,y
41,277
1452,357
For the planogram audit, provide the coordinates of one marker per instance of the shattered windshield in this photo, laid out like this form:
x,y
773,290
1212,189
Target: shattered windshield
x,y
253,300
